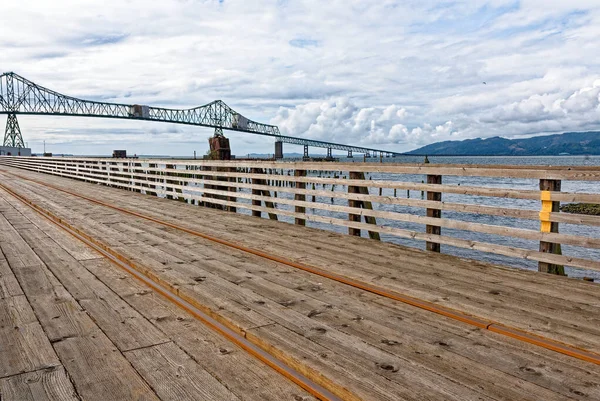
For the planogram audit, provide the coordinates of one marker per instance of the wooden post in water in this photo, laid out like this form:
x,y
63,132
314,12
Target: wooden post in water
x,y
300,197
546,226
437,213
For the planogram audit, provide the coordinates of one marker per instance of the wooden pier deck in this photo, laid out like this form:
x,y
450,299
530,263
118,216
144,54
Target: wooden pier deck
x,y
74,325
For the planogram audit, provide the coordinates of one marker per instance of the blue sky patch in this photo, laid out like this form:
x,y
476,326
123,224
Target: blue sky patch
x,y
304,43
453,22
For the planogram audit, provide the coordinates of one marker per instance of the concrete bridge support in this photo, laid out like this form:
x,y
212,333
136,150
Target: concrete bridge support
x,y
278,150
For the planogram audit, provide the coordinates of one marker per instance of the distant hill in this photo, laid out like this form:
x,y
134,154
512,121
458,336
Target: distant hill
x,y
572,143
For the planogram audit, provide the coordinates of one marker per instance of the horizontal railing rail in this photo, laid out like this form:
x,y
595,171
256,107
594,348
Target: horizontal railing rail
x,y
290,190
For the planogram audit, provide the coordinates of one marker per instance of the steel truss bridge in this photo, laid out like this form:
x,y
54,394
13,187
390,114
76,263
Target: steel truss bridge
x,y
21,96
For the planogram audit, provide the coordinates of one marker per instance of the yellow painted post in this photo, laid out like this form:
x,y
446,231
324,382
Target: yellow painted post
x,y
546,226
545,223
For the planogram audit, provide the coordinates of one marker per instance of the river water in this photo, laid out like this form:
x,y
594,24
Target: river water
x,y
509,183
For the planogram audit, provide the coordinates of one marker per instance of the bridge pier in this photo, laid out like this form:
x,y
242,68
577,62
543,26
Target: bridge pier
x,y
219,147
305,157
350,154
278,150
12,134
329,156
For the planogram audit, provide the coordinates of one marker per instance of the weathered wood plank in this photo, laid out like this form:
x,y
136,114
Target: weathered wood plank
x,y
126,328
51,384
23,345
333,318
302,302
72,276
377,264
251,302
179,252
480,290
175,376
81,346
9,287
113,377
244,376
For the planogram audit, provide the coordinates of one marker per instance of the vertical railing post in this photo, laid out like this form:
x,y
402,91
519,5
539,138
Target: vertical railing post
x,y
104,170
364,204
135,177
352,189
436,213
262,192
300,197
255,202
546,226
130,176
111,173
153,173
167,181
205,195
202,177
125,174
232,189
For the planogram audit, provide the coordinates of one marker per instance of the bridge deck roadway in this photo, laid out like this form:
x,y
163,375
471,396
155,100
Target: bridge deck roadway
x,y
72,324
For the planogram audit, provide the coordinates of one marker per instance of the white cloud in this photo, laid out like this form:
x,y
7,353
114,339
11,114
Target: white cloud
x,y
341,120
398,74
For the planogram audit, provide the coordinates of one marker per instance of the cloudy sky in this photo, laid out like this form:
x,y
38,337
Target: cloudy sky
x,y
388,74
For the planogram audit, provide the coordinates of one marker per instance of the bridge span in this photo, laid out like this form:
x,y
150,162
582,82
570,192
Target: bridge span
x,y
204,280
19,95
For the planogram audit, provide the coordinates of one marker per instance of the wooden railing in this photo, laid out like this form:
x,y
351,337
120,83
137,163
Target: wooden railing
x,y
308,191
